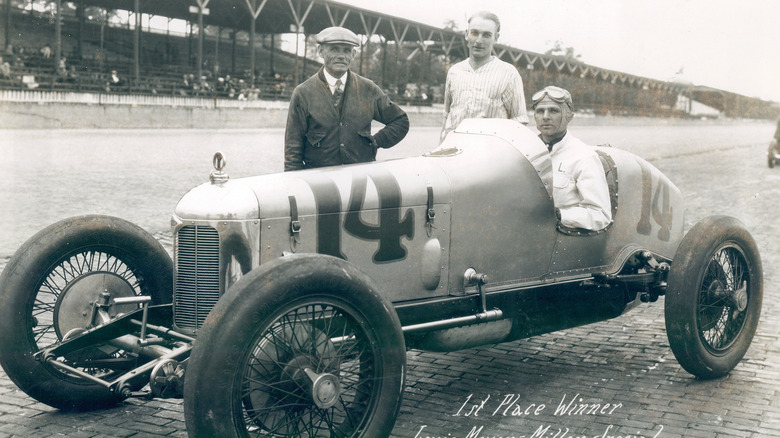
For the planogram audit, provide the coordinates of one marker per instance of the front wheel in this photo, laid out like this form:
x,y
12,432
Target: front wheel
x,y
302,346
713,299
47,290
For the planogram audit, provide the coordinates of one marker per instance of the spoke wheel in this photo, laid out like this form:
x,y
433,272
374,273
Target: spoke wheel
x,y
310,372
48,289
723,299
713,299
64,299
304,347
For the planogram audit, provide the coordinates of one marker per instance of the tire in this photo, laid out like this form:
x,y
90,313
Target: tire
x,y
713,298
47,289
246,375
771,162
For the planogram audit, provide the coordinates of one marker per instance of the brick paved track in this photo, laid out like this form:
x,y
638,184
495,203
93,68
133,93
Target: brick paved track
x,y
625,362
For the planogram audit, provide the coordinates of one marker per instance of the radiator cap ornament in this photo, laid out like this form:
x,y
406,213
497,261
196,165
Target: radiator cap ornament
x,y
217,176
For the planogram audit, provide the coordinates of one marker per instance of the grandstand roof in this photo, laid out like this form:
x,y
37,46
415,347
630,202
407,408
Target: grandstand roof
x,y
281,16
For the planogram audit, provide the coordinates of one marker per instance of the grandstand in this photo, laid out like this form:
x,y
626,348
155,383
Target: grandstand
x,y
226,55
167,67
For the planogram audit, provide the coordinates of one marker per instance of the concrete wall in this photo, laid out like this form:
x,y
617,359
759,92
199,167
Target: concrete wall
x,y
54,115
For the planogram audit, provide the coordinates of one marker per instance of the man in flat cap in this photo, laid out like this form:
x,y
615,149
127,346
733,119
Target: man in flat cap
x,y
329,121
580,190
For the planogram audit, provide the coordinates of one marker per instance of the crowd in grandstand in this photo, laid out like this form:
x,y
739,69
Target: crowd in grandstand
x,y
31,66
168,66
26,67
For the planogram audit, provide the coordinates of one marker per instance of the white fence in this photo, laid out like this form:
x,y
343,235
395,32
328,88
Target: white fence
x,y
36,96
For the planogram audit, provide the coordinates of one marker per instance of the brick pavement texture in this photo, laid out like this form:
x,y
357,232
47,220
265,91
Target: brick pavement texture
x,y
624,367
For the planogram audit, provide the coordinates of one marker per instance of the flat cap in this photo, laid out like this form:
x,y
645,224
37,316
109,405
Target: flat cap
x,y
337,35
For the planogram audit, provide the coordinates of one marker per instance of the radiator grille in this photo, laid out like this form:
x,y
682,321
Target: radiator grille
x,y
197,276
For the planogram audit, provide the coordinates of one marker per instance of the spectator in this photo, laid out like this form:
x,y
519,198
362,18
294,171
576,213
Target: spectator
x,y
278,85
204,88
482,85
17,60
46,51
186,85
330,115
242,90
5,69
230,87
580,190
155,85
72,75
62,68
114,81
30,82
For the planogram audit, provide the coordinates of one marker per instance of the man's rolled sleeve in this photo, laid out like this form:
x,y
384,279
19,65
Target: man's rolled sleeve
x,y
517,110
396,123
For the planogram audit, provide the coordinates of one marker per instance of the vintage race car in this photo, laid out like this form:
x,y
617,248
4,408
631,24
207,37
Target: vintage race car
x,y
773,153
291,299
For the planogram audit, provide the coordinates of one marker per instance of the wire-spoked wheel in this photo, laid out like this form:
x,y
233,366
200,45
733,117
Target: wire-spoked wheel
x,y
301,347
310,373
48,290
713,300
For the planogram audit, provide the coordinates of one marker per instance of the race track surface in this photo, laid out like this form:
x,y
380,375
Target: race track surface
x,y
720,168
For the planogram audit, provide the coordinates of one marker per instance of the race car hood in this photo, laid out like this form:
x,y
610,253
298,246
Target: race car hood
x,y
457,164
398,183
475,154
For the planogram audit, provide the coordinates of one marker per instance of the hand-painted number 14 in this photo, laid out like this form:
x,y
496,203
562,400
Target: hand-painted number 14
x,y
655,207
392,226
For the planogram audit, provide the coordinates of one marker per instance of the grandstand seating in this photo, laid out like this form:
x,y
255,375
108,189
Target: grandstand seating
x,y
162,70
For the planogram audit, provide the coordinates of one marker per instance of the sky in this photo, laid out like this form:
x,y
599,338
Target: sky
x,y
729,45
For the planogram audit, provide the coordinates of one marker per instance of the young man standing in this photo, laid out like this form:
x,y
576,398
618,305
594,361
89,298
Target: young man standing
x,y
482,86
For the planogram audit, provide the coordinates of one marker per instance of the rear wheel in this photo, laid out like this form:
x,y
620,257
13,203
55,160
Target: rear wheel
x,y
713,299
304,346
48,288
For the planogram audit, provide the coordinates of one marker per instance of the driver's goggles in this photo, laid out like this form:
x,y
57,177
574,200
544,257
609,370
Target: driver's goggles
x,y
556,94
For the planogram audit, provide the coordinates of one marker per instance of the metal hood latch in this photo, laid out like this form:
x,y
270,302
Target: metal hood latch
x,y
295,224
430,213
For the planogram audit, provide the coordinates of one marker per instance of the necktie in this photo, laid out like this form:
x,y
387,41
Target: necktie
x,y
337,92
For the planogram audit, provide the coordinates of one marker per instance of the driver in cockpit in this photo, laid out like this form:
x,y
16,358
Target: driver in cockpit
x,y
580,190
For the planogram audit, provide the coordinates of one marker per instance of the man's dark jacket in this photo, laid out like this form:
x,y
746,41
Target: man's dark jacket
x,y
318,134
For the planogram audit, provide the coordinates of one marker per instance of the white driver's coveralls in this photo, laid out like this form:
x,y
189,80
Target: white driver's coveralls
x,y
580,188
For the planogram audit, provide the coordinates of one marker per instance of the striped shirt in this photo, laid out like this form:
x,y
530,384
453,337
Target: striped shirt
x,y
494,90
